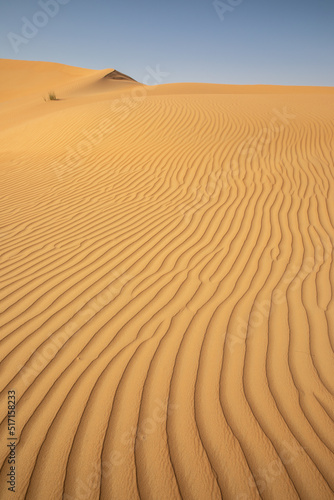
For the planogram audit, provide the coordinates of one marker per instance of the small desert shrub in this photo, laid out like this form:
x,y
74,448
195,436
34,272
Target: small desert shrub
x,y
51,96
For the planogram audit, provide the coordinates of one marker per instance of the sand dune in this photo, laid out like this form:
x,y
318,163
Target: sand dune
x,y
166,288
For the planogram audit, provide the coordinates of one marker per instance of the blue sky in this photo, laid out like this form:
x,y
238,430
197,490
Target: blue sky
x,y
286,42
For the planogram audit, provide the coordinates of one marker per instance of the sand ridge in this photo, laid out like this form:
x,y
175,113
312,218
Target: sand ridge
x,y
166,288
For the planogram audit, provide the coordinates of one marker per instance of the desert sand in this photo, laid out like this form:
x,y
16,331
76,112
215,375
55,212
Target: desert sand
x,y
167,310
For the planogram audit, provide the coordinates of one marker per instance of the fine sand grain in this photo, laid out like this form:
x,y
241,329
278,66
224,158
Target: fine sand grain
x,y
167,310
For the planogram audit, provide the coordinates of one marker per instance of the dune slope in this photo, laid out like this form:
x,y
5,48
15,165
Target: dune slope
x,y
166,288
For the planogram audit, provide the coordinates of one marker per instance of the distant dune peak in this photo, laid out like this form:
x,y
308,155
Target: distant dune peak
x,y
117,75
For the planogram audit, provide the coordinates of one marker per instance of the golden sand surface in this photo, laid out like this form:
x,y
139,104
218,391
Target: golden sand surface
x,y
167,276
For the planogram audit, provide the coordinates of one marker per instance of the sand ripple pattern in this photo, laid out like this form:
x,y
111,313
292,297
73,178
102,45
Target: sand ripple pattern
x,y
167,299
